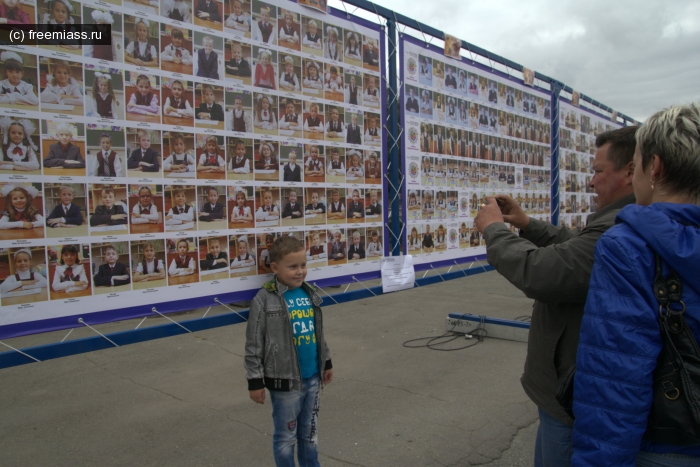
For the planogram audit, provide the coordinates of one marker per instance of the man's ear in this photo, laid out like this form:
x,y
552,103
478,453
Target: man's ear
x,y
274,268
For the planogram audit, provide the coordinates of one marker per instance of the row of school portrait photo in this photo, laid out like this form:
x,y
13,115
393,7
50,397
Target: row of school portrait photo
x,y
448,204
425,238
71,88
58,210
479,88
438,139
60,148
448,173
138,38
72,270
478,117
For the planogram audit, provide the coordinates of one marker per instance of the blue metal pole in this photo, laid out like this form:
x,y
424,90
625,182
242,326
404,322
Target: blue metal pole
x,y
393,92
554,163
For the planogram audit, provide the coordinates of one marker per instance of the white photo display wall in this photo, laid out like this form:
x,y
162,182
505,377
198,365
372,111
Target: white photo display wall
x,y
578,129
159,169
469,133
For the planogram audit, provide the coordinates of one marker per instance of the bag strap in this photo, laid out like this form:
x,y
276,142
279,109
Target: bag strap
x,y
667,290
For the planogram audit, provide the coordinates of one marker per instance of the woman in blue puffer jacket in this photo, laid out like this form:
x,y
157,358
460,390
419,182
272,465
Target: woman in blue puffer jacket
x,y
620,337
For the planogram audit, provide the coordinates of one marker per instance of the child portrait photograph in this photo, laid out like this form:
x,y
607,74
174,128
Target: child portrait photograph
x,y
106,151
289,34
113,52
19,80
208,55
238,62
144,153
62,90
266,156
20,151
111,267
243,255
143,97
148,264
238,19
212,212
213,258
63,148
267,202
68,266
21,211
241,207
146,209
66,204
239,152
239,110
178,101
143,46
176,49
207,13
108,209
104,93
24,275
312,36
211,157
180,208
182,260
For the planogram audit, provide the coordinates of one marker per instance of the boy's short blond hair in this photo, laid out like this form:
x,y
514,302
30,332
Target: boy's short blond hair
x,y
66,188
106,190
178,191
108,248
284,246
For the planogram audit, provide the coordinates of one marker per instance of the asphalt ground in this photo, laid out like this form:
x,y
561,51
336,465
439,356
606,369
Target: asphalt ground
x,y
183,400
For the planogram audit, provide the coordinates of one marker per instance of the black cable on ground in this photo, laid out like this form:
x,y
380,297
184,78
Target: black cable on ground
x,y
479,333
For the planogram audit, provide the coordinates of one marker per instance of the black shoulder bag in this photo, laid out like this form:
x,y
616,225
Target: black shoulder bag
x,y
674,417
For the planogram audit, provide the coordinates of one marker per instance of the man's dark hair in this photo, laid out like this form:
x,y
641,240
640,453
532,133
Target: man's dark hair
x,y
622,145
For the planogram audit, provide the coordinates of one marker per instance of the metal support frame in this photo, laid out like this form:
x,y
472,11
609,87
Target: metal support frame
x,y
396,225
557,87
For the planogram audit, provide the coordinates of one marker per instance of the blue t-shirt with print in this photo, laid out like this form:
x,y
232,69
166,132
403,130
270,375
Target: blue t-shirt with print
x,y
301,315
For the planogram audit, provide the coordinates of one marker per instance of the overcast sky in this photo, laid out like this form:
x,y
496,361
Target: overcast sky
x,y
634,56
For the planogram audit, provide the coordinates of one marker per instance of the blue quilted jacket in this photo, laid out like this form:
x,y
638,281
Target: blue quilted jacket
x,y
620,339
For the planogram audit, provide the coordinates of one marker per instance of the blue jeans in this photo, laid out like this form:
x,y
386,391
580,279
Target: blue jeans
x,y
651,459
553,445
295,415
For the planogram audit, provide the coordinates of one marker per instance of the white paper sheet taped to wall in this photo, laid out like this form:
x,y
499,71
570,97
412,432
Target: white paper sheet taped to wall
x,y
397,273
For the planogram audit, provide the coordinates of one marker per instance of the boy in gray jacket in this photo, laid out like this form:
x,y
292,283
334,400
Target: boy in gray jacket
x,y
286,353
